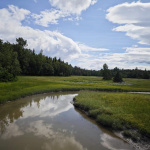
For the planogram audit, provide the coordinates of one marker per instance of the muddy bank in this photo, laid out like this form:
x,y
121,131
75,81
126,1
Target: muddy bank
x,y
143,143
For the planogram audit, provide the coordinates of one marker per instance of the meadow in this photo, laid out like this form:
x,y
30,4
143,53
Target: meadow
x,y
126,112
29,85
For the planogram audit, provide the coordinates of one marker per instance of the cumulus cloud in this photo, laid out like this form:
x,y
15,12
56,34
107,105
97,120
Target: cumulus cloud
x,y
132,57
15,14
72,6
135,18
52,43
49,17
55,44
69,10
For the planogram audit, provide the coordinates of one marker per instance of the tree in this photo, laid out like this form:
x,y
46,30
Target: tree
x,y
106,73
9,64
118,77
146,75
21,42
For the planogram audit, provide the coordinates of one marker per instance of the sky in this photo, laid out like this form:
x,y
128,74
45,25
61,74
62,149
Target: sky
x,y
84,33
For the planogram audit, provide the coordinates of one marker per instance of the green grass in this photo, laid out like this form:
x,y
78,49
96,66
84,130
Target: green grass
x,y
27,85
118,111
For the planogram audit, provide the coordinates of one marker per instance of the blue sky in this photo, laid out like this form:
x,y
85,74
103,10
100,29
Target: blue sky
x,y
85,33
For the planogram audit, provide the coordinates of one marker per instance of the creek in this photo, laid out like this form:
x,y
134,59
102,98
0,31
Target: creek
x,y
50,122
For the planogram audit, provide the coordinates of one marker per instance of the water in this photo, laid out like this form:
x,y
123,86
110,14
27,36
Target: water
x,y
50,122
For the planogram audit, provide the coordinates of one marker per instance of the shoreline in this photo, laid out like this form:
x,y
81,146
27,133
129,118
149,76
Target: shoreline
x,y
72,89
140,143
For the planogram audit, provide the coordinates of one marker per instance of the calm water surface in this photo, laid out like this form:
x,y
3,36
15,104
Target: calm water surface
x,y
50,122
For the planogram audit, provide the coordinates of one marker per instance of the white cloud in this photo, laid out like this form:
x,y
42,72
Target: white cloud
x,y
132,57
52,43
136,32
15,15
134,12
135,18
18,14
93,2
84,47
69,10
49,17
138,50
56,44
72,6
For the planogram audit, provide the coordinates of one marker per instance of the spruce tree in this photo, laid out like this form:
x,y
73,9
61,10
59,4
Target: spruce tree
x,y
106,72
118,77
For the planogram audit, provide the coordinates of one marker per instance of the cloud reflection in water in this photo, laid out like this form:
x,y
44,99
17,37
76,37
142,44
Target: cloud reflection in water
x,y
49,106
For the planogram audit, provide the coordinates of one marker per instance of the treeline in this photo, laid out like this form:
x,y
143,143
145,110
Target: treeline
x,y
132,73
16,59
84,72
117,74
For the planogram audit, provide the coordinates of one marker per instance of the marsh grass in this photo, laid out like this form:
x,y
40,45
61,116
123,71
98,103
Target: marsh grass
x,y
29,85
118,111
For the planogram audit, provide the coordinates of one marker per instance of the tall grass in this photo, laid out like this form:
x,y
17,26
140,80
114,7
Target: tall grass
x,y
28,85
119,111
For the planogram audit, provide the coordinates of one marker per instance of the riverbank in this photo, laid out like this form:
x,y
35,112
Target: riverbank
x,y
29,85
125,113
50,118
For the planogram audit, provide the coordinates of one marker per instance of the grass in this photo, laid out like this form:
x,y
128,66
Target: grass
x,y
118,111
28,85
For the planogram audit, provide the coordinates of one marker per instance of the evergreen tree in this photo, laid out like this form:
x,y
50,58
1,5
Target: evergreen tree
x,y
9,64
106,73
118,77
146,75
21,42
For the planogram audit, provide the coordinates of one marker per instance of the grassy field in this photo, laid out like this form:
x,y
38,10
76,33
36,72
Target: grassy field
x,y
27,85
118,111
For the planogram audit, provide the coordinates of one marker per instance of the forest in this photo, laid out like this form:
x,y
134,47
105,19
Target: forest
x,y
16,59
